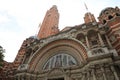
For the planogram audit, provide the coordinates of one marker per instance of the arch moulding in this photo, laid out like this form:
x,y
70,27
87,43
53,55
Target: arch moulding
x,y
76,49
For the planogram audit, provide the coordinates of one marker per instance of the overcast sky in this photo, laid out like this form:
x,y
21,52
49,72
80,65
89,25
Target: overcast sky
x,y
19,19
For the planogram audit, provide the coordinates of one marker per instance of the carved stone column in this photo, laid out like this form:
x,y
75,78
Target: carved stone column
x,y
101,41
87,42
114,72
103,73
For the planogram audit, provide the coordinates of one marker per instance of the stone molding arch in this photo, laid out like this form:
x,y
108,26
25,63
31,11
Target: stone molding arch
x,y
65,43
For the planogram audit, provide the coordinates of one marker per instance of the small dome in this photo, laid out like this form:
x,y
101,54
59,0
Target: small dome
x,y
108,14
106,9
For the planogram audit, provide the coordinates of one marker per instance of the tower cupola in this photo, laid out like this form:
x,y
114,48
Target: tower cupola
x,y
108,14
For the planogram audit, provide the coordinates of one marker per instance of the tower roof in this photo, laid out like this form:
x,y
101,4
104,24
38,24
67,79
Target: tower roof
x,y
106,9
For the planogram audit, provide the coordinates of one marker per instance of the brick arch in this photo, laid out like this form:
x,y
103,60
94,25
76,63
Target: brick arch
x,y
62,44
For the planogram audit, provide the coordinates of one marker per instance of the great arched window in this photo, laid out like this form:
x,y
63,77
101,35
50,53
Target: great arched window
x,y
60,60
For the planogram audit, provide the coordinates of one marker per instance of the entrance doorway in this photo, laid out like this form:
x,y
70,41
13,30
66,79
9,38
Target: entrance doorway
x,y
57,79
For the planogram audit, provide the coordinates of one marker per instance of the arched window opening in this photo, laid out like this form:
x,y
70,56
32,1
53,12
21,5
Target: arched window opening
x,y
60,60
81,37
104,21
27,56
110,17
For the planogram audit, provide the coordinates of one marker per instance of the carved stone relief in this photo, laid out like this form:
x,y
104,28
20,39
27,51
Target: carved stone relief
x,y
98,51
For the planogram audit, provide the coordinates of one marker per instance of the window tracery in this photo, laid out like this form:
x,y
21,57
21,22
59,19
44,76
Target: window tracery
x,y
60,60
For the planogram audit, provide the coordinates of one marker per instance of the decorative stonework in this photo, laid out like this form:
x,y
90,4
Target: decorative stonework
x,y
60,60
89,51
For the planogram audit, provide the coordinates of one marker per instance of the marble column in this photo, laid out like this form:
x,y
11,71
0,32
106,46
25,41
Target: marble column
x,y
101,41
87,42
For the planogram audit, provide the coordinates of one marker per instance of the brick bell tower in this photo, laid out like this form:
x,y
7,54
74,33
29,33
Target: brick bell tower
x,y
50,23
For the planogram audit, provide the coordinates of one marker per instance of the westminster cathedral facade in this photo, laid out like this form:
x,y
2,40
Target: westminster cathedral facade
x,y
89,51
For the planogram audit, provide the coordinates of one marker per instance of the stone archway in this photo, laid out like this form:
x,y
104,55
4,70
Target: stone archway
x,y
77,50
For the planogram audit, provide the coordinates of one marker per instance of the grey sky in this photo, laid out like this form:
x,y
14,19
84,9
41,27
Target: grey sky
x,y
19,19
